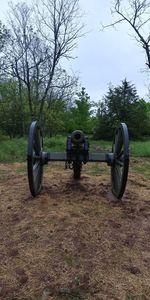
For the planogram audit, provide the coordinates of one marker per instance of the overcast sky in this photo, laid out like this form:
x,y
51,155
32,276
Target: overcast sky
x,y
103,57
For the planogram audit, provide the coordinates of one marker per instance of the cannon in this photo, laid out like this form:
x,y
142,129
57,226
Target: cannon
x,y
77,153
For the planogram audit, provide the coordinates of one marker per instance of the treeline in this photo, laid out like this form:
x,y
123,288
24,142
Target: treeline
x,y
120,104
33,85
59,116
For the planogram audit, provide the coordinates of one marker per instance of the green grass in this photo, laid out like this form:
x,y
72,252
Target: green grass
x,y
55,144
16,149
3,175
141,166
97,169
143,169
13,150
72,261
12,298
96,146
140,148
137,148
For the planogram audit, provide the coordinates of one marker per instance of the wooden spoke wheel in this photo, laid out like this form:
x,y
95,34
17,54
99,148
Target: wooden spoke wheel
x,y
34,161
119,168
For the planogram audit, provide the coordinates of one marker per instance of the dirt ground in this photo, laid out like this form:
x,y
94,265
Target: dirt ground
x,y
74,241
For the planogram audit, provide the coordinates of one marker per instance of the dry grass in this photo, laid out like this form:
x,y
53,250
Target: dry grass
x,y
74,241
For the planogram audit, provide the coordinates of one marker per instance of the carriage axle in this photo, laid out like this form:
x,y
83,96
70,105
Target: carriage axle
x,y
77,152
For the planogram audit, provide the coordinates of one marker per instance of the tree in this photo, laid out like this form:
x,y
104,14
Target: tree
x,y
10,110
59,24
54,117
141,119
122,104
35,49
136,13
81,113
4,34
22,57
58,102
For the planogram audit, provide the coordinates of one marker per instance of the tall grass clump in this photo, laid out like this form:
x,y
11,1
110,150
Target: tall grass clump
x,y
13,150
140,148
55,144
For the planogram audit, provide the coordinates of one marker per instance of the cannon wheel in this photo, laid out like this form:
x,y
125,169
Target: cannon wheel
x,y
119,168
77,166
34,162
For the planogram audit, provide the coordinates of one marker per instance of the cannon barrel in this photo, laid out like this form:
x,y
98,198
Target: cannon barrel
x,y
77,137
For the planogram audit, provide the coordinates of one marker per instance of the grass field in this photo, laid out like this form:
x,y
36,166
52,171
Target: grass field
x,y
15,150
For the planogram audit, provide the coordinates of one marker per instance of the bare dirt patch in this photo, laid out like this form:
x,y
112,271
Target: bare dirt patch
x,y
74,241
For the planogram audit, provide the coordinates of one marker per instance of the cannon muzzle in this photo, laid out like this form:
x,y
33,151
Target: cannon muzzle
x,y
77,137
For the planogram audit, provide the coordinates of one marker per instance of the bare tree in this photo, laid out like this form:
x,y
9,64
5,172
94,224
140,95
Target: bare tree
x,y
136,13
64,87
33,54
23,55
4,35
59,24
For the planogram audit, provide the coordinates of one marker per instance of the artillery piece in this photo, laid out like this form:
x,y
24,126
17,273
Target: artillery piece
x,y
77,153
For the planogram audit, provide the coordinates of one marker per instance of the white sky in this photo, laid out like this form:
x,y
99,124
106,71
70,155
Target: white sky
x,y
103,57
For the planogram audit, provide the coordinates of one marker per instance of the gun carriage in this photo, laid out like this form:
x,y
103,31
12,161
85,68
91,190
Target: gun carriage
x,y
77,153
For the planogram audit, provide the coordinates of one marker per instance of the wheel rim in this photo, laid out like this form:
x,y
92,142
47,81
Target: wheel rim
x,y
34,162
119,169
